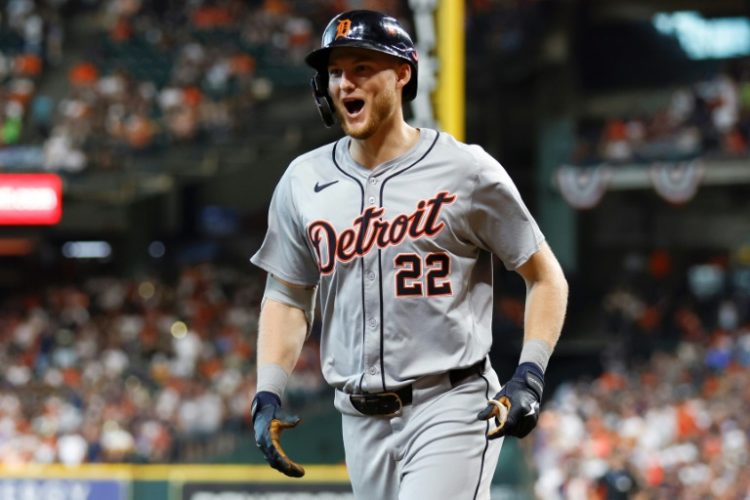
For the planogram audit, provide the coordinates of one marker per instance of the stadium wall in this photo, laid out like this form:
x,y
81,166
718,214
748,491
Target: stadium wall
x,y
169,482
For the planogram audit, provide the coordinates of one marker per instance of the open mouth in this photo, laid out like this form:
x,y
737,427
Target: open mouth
x,y
354,106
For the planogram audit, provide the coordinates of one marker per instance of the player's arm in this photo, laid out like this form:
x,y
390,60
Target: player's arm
x,y
516,406
285,318
546,302
281,332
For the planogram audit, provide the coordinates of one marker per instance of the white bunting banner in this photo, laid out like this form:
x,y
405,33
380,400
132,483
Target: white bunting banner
x,y
583,187
677,182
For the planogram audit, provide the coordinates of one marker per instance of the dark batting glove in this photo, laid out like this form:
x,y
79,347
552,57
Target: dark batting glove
x,y
268,422
521,397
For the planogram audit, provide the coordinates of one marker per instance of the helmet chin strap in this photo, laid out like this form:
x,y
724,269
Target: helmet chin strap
x,y
322,99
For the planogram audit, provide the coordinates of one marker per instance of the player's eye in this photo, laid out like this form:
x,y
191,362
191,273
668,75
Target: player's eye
x,y
334,72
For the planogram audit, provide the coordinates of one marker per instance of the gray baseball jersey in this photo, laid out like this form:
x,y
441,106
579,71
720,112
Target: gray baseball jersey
x,y
401,253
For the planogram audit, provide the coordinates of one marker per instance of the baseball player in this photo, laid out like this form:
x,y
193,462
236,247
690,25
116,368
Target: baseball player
x,y
395,227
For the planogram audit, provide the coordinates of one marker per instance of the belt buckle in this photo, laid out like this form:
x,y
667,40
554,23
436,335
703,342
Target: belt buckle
x,y
397,398
380,404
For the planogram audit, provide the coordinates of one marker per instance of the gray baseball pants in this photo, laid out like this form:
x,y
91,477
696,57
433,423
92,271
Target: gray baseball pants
x,y
436,449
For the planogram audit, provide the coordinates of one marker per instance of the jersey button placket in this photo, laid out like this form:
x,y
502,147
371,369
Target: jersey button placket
x,y
372,303
371,340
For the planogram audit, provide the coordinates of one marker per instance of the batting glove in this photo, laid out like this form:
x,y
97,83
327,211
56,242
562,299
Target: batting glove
x,y
516,407
268,422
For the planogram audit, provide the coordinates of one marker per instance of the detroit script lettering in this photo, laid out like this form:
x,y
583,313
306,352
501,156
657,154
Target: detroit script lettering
x,y
369,230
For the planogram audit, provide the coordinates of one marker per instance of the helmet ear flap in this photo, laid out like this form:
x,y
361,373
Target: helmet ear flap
x,y
319,84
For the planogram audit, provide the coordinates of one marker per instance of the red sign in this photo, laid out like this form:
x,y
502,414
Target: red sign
x,y
30,199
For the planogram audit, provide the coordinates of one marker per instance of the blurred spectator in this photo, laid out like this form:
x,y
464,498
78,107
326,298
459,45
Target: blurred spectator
x,y
615,144
83,75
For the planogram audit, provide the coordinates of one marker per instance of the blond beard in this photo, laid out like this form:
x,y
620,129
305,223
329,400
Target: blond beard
x,y
382,108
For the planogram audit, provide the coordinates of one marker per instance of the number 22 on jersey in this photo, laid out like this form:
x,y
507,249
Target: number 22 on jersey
x,y
418,277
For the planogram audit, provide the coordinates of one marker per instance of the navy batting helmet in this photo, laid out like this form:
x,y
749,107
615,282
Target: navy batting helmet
x,y
364,29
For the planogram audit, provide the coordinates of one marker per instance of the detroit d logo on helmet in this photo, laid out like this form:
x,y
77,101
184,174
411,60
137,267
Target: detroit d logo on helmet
x,y
343,28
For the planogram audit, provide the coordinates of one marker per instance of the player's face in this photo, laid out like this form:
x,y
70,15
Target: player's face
x,y
365,86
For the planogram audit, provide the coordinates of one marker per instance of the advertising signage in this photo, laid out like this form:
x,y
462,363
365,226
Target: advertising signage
x,y
63,489
260,491
30,199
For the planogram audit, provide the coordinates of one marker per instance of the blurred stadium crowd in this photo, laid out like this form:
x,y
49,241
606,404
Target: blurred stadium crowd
x,y
149,369
155,74
708,119
113,370
149,74
667,418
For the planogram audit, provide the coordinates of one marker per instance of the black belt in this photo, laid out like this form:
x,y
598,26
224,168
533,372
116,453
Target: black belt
x,y
389,403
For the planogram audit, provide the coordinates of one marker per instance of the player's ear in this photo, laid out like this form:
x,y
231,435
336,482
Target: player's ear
x,y
403,75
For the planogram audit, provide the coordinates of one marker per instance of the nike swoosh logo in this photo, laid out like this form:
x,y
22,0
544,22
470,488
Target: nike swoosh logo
x,y
320,187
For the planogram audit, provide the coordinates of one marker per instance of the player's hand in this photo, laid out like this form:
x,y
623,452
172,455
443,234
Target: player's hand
x,y
516,407
268,422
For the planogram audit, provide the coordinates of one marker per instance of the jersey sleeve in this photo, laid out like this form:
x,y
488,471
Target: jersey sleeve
x,y
498,217
284,251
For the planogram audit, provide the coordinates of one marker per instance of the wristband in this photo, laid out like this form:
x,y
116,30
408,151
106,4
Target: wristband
x,y
536,351
272,378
